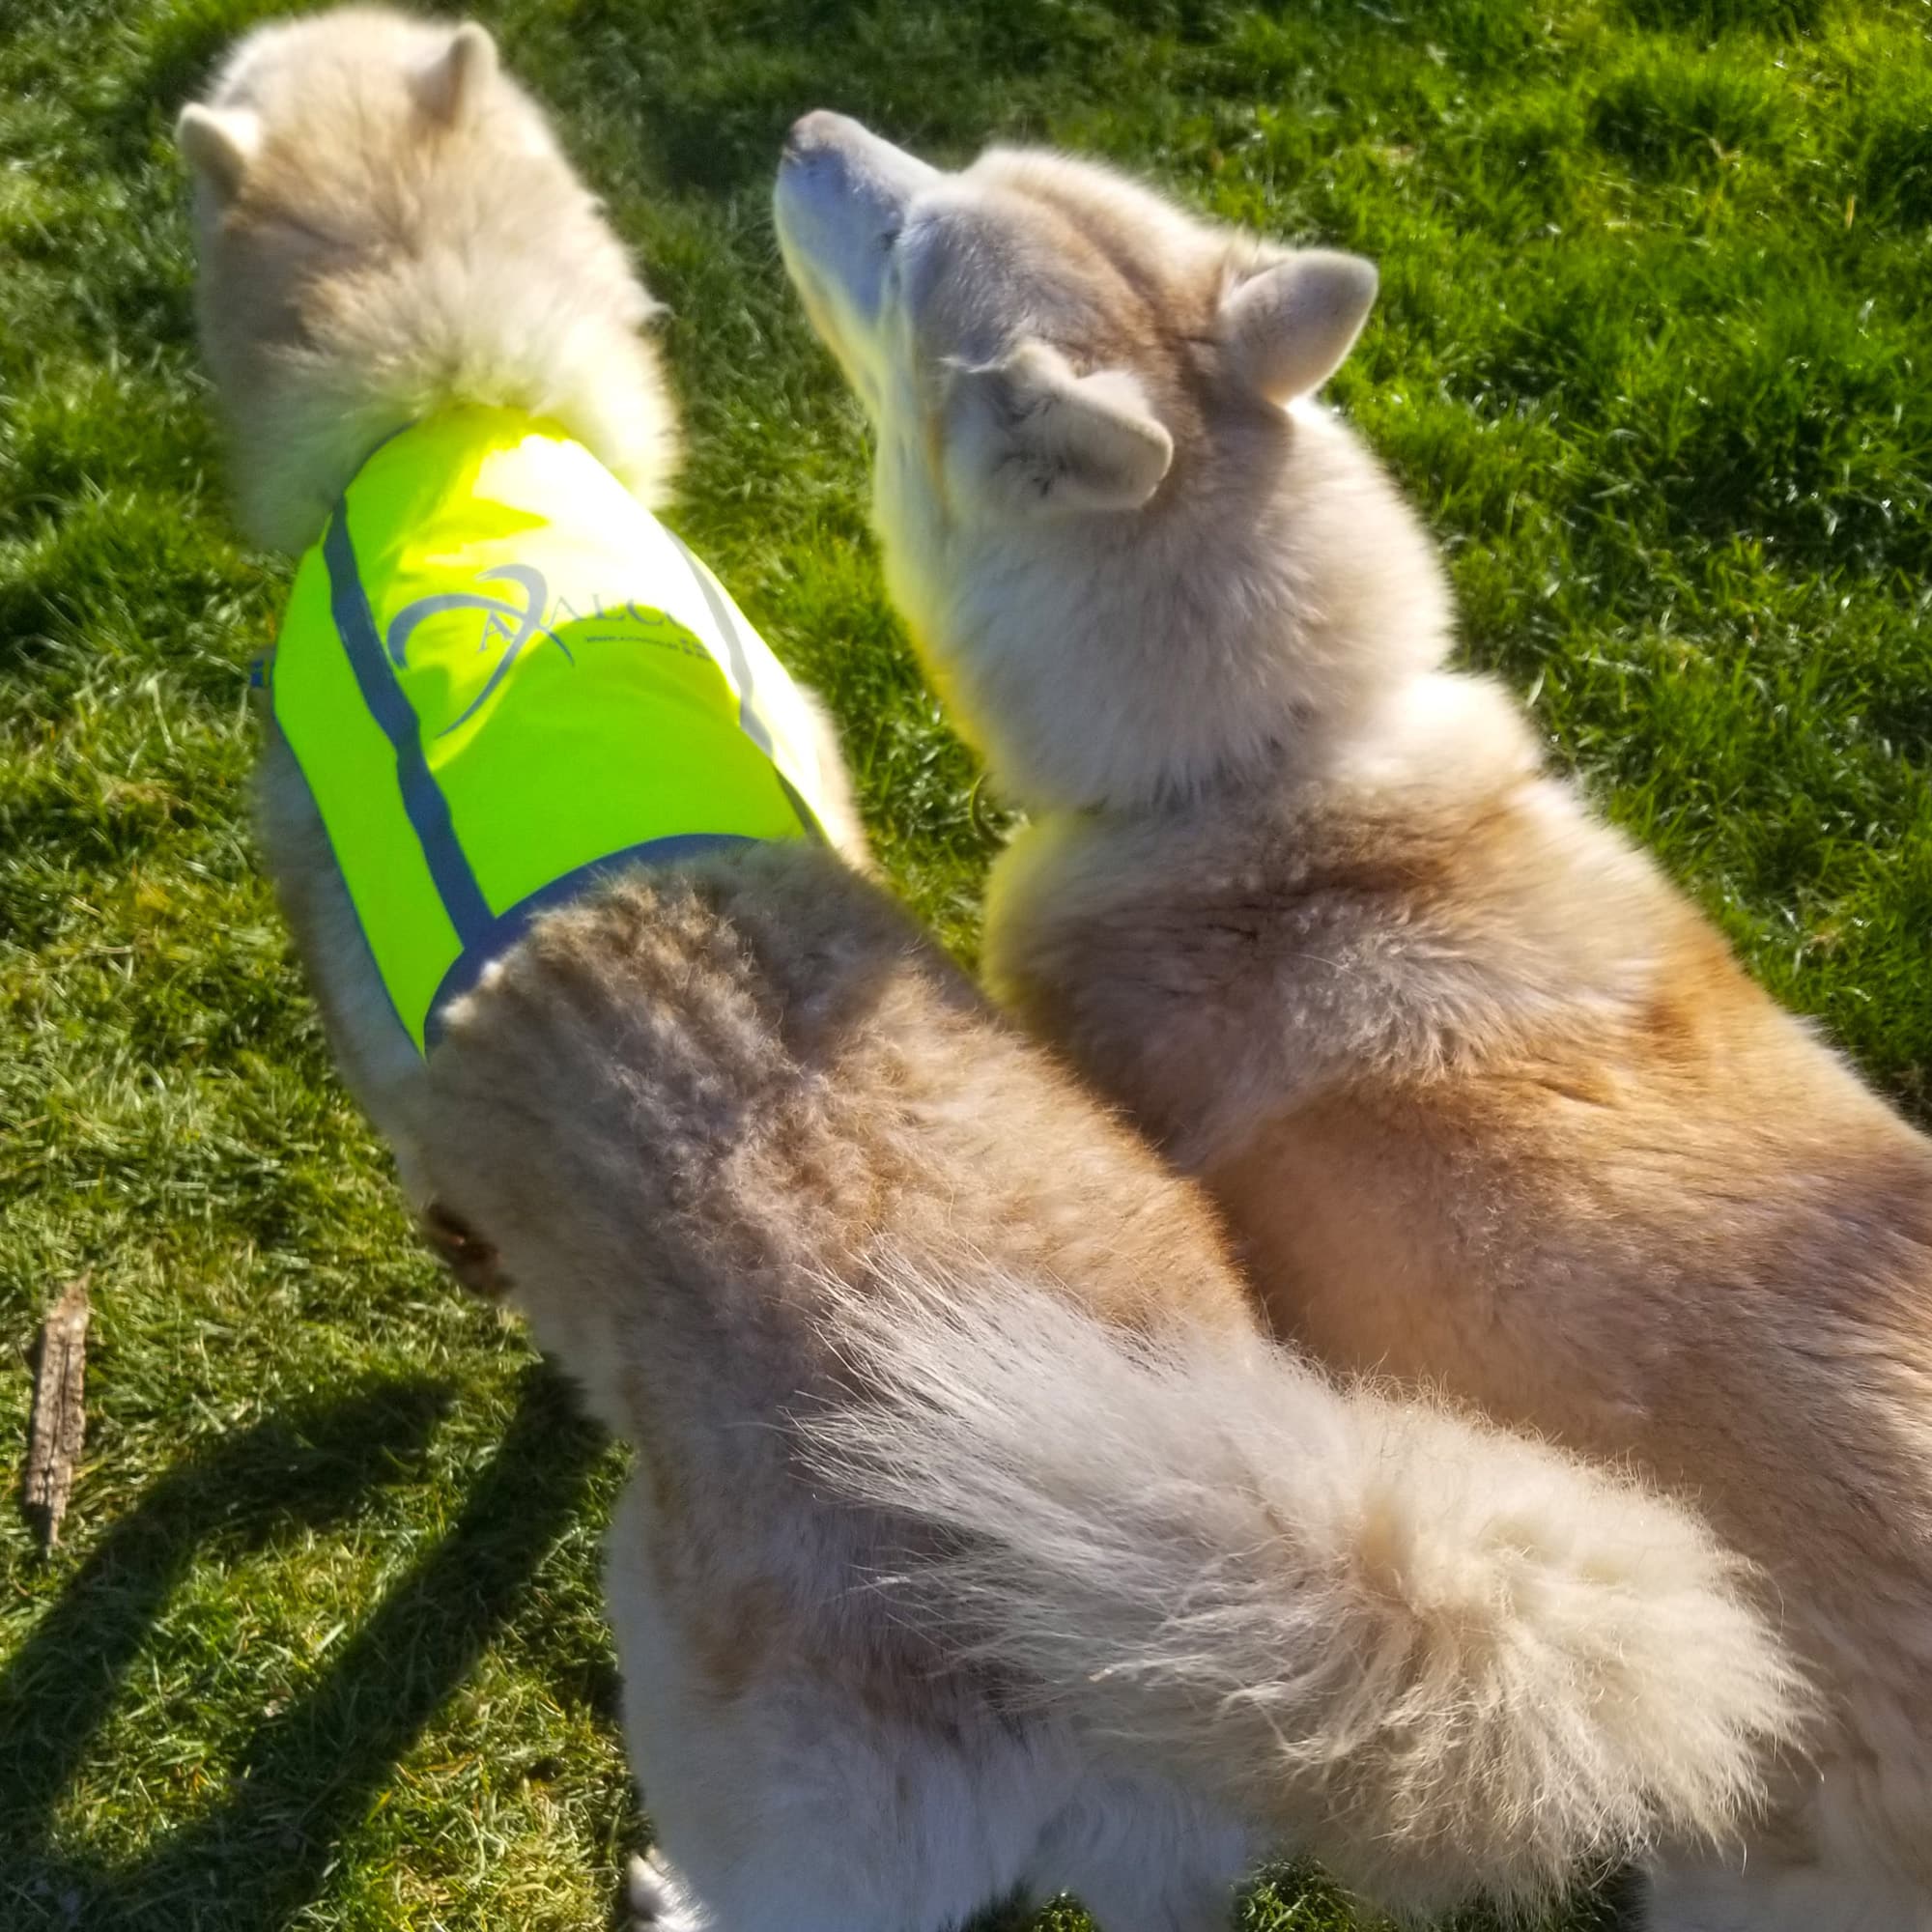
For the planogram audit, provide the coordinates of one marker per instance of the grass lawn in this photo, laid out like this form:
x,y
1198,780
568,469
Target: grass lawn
x,y
324,1646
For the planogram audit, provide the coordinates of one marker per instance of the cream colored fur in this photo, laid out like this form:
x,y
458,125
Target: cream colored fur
x,y
982,1541
385,226
732,1132
1489,1106
388,225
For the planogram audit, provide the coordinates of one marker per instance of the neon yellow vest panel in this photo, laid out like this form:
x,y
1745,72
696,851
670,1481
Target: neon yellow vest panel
x,y
501,676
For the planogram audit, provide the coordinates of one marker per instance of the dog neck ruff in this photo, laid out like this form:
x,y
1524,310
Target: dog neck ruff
x,y
504,678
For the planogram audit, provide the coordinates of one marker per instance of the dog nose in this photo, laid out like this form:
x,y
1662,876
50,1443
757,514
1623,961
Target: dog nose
x,y
812,134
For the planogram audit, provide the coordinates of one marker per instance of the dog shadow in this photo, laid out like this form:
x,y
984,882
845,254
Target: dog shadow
x,y
262,1852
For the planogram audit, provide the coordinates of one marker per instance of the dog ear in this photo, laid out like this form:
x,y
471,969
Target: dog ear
x,y
1290,326
1029,434
453,89
218,143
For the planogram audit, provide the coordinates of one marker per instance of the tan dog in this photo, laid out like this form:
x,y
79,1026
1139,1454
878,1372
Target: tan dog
x,y
386,227
1487,1104
772,1180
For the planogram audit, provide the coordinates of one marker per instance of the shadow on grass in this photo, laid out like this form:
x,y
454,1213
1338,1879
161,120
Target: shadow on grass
x,y
262,1852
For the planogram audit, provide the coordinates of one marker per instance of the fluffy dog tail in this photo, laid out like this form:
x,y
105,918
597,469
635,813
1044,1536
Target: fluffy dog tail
x,y
1440,1658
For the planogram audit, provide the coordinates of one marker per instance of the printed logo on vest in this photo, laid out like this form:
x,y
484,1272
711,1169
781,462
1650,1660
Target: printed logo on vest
x,y
502,620
536,620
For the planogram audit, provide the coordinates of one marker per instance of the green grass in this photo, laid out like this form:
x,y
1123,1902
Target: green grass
x,y
324,1647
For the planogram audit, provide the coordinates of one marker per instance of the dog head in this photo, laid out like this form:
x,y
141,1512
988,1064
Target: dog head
x,y
1131,550
385,224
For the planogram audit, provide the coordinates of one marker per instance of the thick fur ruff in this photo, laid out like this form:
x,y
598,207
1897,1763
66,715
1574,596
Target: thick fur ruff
x,y
1489,1106
388,225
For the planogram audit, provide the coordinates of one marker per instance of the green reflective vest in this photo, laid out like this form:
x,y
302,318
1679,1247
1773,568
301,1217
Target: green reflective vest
x,y
501,677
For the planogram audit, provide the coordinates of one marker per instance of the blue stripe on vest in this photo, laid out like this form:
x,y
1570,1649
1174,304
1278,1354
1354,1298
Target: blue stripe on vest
x,y
422,797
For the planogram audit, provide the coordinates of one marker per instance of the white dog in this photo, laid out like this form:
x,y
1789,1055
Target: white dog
x,y
772,1181
1489,1106
388,234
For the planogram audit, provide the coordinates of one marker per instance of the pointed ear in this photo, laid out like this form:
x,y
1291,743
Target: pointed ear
x,y
1031,435
453,89
1290,326
219,144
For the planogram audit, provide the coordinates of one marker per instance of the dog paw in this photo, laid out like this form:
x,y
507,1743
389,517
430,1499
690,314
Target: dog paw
x,y
657,1899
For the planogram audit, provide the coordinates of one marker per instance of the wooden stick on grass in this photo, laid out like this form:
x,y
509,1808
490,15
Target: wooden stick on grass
x,y
59,1427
